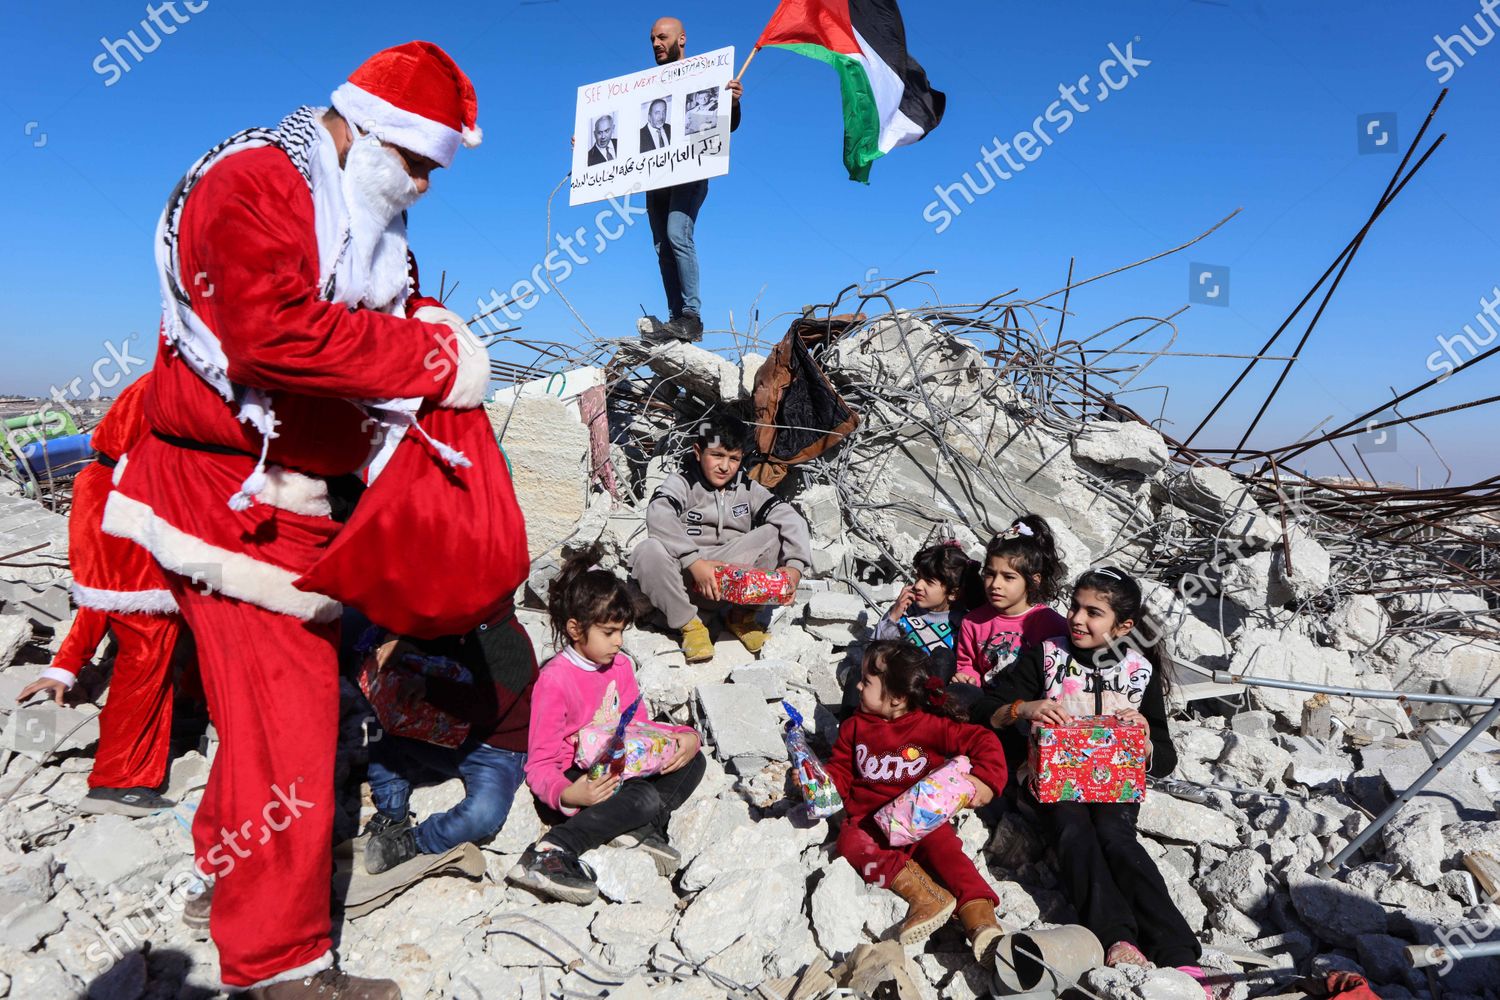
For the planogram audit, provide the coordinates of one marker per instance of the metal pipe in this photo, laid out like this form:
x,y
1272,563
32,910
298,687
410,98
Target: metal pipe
x,y
1225,677
1327,869
1423,956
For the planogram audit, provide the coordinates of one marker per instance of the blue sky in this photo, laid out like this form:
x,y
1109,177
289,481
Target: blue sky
x,y
1249,104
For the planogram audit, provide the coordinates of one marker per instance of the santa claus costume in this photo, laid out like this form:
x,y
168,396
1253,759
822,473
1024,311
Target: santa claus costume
x,y
119,589
296,349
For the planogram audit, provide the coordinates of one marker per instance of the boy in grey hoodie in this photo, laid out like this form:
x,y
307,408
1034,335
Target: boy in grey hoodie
x,y
708,515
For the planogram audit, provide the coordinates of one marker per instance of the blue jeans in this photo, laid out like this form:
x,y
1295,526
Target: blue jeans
x,y
674,212
490,775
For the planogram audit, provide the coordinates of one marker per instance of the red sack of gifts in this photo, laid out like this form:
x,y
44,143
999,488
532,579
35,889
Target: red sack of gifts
x,y
748,585
391,678
1092,759
431,550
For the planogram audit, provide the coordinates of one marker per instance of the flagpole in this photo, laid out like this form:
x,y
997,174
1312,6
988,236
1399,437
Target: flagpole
x,y
748,60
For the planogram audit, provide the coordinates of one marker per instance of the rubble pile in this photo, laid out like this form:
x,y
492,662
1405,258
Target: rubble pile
x,y
968,417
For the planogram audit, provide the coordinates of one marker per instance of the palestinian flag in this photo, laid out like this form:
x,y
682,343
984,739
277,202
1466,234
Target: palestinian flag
x,y
887,99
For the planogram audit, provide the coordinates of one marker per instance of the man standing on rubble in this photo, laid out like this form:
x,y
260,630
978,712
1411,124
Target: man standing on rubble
x,y
290,305
673,211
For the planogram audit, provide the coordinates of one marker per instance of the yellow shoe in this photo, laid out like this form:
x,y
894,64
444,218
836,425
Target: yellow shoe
x,y
697,644
746,627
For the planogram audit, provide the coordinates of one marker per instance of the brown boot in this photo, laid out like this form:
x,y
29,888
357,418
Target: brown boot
x,y
982,929
928,905
330,984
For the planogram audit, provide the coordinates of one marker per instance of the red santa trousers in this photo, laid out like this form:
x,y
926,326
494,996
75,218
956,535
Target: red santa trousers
x,y
265,825
135,726
940,853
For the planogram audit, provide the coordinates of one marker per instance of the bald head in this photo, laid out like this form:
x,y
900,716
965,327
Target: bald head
x,y
668,40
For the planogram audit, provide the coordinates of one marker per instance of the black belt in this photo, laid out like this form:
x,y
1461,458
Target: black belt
x,y
106,461
191,445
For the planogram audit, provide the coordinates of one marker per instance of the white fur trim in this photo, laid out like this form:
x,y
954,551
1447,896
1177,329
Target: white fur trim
x,y
241,577
58,674
125,602
473,376
292,491
325,961
473,137
397,126
119,470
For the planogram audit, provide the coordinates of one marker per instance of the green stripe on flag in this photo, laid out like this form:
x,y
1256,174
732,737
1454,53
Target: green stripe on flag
x,y
861,115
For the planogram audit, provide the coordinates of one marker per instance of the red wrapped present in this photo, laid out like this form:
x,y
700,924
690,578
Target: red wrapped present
x,y
1092,759
748,585
391,678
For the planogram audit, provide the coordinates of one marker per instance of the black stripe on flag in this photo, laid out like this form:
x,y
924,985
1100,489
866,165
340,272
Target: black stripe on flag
x,y
879,24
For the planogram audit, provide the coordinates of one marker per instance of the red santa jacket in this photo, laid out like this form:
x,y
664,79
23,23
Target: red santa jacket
x,y
249,256
113,574
876,759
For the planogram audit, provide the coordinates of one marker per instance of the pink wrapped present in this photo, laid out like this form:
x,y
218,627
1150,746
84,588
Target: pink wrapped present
x,y
748,585
928,804
648,747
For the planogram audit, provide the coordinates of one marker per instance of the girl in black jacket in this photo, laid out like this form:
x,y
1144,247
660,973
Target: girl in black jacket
x,y
1103,669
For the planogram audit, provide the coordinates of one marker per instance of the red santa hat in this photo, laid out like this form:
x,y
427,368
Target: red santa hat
x,y
413,96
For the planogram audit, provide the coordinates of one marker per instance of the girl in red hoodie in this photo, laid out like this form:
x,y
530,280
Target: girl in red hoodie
x,y
906,727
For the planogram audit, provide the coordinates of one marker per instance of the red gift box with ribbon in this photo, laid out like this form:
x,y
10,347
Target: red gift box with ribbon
x,y
1092,759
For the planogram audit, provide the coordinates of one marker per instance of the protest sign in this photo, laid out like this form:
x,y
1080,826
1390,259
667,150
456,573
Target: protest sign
x,y
662,126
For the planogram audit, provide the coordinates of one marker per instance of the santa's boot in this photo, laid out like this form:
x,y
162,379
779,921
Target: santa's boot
x,y
928,905
982,930
330,984
697,644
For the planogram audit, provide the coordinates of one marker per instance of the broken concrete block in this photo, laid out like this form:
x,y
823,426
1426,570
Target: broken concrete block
x,y
26,923
1414,840
1241,881
1358,624
110,850
1256,723
821,506
1339,914
1256,762
1308,572
1131,446
1187,822
1287,655
1250,583
629,876
15,632
831,606
762,675
1219,492
700,372
548,449
741,727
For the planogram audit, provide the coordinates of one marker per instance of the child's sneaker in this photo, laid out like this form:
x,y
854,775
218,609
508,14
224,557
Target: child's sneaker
x,y
1124,953
390,848
646,839
556,873
381,823
697,644
745,624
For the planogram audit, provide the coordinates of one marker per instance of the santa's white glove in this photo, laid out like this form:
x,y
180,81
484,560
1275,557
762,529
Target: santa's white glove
x,y
464,351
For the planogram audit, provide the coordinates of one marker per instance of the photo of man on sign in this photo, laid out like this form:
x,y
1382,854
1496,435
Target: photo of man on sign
x,y
657,132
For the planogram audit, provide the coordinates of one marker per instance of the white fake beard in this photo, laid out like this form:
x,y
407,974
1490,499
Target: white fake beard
x,y
377,189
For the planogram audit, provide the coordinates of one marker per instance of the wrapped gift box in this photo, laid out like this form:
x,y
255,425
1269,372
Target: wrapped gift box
x,y
748,585
648,747
1094,759
928,804
390,677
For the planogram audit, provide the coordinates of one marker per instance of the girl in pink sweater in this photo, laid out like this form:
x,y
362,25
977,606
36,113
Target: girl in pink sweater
x,y
590,683
1022,572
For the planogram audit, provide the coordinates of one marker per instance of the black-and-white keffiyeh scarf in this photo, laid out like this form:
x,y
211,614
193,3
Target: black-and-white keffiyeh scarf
x,y
342,278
